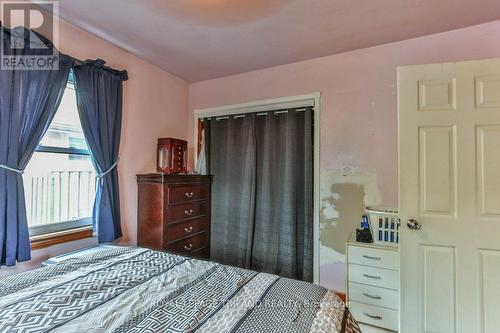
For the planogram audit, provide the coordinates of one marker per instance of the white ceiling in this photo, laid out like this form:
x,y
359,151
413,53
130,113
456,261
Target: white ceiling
x,y
203,39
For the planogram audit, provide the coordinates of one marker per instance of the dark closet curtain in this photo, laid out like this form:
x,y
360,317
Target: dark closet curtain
x,y
274,170
232,162
284,197
99,91
28,102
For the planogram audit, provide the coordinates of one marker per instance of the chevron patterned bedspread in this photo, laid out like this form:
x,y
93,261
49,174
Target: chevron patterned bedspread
x,y
124,289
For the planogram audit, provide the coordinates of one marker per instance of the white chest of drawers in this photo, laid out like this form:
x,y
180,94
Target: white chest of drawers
x,y
373,283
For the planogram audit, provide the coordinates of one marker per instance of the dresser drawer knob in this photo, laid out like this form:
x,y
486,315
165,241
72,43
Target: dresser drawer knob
x,y
371,258
188,230
188,247
371,296
372,316
189,194
188,212
375,277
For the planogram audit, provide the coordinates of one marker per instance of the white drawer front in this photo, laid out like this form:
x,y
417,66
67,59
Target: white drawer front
x,y
373,276
374,315
373,257
374,295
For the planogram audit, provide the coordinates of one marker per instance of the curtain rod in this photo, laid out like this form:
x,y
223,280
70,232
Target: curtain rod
x,y
275,112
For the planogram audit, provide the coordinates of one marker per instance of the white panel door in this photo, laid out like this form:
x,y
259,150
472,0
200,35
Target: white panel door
x,y
449,183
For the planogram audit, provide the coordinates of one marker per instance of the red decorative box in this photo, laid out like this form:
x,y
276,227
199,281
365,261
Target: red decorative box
x,y
171,156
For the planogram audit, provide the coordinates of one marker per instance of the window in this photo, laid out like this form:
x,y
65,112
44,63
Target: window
x,y
59,181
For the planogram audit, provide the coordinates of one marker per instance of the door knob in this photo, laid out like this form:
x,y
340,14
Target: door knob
x,y
413,224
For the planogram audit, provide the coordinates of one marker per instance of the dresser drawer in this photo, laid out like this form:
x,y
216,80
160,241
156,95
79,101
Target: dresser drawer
x,y
178,194
188,246
203,253
373,276
374,315
378,296
185,229
373,257
186,211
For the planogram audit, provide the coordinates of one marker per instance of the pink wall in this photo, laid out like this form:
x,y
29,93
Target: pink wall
x,y
155,104
358,119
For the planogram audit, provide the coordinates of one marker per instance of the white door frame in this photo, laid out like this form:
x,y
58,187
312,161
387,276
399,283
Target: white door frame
x,y
298,101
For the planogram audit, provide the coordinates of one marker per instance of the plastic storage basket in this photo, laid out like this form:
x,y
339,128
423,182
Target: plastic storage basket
x,y
385,224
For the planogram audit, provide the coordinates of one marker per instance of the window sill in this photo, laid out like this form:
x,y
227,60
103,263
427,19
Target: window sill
x,y
46,240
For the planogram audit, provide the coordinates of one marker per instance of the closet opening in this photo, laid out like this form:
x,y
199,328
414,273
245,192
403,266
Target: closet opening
x,y
264,157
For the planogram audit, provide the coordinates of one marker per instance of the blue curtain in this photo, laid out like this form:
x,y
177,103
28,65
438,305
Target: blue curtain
x,y
99,98
28,102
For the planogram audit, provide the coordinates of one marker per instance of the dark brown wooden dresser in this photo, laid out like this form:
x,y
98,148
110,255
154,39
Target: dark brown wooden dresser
x,y
174,213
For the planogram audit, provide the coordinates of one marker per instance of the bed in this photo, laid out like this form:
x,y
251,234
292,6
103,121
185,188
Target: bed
x,y
130,289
